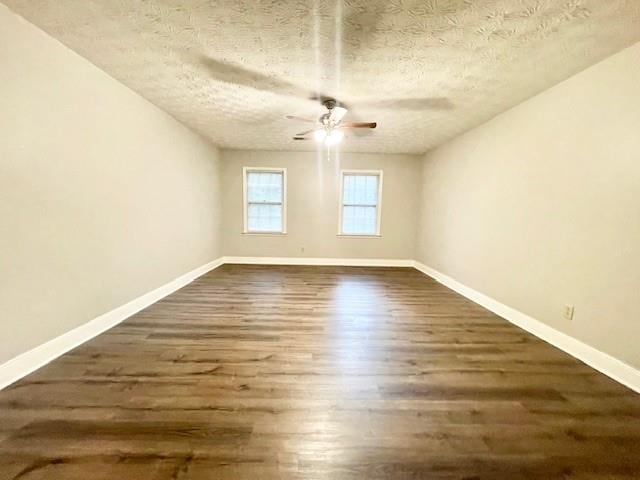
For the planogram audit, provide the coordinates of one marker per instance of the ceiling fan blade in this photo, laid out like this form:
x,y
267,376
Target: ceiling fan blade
x,y
301,138
301,119
337,114
306,132
238,75
359,125
412,104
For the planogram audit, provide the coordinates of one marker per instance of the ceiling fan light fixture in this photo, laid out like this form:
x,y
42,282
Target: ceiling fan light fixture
x,y
320,135
334,137
337,114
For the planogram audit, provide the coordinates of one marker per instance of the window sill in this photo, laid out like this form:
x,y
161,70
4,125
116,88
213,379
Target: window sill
x,y
347,235
265,234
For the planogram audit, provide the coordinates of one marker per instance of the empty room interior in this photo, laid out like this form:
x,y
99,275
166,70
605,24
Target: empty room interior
x,y
319,239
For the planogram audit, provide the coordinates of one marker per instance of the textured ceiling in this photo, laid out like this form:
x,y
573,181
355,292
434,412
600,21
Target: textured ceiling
x,y
425,70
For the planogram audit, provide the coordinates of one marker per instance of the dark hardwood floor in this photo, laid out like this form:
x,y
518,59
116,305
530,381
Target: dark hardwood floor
x,y
264,372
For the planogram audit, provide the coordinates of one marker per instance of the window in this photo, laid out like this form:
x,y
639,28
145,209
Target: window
x,y
265,200
360,204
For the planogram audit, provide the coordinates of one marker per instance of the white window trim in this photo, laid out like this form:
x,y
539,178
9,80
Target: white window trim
x,y
378,233
245,203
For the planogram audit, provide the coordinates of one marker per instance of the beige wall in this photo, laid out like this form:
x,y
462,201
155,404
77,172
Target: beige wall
x,y
540,207
312,206
103,197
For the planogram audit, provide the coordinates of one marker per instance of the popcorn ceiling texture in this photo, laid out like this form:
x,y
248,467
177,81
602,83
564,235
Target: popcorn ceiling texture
x,y
425,70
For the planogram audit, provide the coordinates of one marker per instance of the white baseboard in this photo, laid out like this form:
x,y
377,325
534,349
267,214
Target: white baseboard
x,y
603,362
345,262
27,362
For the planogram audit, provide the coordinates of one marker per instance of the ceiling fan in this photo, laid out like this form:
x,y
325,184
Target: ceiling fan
x,y
330,127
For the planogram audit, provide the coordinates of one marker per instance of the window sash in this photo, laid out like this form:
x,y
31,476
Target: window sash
x,y
359,220
251,221
355,211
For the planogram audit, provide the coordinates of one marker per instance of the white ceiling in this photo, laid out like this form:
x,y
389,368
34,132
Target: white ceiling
x,y
425,70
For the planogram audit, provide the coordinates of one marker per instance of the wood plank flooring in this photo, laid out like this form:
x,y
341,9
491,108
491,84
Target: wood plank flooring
x,y
280,372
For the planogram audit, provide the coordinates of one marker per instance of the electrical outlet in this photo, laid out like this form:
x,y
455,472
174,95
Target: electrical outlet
x,y
567,312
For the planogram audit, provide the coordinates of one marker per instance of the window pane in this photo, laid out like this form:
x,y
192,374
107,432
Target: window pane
x,y
359,220
348,189
360,190
264,218
264,187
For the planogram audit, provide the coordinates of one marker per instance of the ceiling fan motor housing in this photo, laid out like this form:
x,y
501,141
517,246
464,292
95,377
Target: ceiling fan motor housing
x,y
330,103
